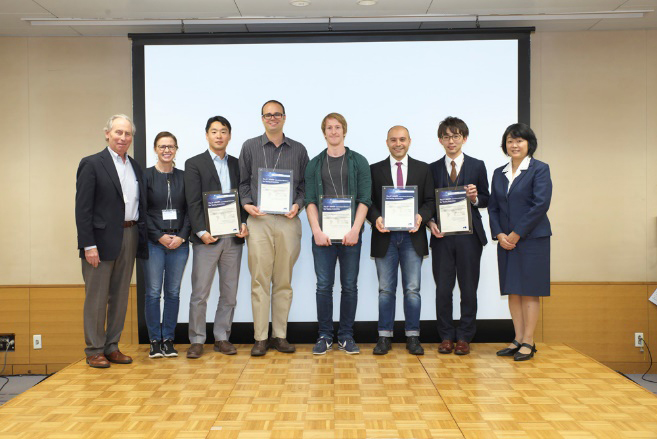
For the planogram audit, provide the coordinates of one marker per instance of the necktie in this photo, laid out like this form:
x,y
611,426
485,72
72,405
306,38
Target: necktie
x,y
400,176
452,175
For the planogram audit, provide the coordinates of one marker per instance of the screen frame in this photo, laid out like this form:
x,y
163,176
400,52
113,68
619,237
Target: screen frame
x,y
497,330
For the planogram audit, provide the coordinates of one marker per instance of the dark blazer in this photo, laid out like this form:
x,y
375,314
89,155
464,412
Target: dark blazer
x,y
418,175
473,171
201,176
524,209
100,209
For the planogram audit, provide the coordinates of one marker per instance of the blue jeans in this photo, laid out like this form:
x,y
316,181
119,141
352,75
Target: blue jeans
x,y
400,253
163,266
325,261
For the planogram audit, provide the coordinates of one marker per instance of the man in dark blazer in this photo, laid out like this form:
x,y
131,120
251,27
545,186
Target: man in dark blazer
x,y
391,250
458,256
110,215
213,170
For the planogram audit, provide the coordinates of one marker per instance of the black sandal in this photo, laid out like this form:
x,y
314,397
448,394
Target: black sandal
x,y
522,357
509,352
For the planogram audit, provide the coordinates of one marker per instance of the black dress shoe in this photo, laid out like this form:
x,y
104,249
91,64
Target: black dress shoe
x,y
509,352
382,346
413,345
523,357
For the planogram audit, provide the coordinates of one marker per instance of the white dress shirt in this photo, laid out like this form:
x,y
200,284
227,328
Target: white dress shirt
x,y
458,161
507,171
404,168
129,185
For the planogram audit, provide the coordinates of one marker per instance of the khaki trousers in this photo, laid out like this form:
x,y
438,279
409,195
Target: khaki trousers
x,y
274,243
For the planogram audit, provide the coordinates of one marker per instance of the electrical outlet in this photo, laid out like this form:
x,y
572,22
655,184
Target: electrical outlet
x,y
7,342
638,339
36,341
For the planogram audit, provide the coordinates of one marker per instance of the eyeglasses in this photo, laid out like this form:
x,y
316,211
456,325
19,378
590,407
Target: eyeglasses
x,y
269,116
455,137
165,147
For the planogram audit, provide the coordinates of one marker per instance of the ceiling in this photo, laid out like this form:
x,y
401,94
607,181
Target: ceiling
x,y
110,18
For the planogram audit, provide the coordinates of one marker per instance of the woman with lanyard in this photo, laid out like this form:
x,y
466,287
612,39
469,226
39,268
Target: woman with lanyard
x,y
337,172
168,231
520,198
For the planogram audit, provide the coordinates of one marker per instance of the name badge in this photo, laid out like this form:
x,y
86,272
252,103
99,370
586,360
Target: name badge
x,y
169,214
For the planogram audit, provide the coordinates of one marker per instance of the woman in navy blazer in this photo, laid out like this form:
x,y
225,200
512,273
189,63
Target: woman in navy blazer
x,y
517,208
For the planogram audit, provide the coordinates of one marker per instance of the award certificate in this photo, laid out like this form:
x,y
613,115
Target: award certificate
x,y
399,207
222,213
275,190
453,211
335,216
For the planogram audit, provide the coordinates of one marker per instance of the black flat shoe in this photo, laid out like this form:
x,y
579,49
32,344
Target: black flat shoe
x,y
523,357
509,352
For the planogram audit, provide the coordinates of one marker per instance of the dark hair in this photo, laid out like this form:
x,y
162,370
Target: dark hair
x,y
455,125
521,131
162,134
272,101
222,120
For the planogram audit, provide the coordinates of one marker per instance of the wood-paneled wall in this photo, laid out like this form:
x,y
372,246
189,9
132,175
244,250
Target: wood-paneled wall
x,y
55,312
597,319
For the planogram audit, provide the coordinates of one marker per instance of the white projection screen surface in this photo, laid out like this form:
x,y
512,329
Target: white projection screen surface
x,y
375,85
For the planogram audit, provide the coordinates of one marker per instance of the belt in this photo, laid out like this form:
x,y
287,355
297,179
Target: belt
x,y
169,231
127,224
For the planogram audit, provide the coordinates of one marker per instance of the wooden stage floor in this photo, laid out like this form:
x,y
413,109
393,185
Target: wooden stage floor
x,y
559,394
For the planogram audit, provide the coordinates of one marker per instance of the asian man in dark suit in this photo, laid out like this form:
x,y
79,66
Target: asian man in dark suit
x,y
458,256
213,170
110,215
391,250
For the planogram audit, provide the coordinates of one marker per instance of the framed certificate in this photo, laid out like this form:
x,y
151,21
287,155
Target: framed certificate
x,y
335,216
222,213
453,212
399,207
275,190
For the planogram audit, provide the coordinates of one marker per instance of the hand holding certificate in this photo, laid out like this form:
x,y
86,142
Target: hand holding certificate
x,y
222,213
399,208
453,211
275,190
335,216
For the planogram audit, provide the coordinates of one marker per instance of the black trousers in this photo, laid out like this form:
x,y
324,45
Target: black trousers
x,y
456,257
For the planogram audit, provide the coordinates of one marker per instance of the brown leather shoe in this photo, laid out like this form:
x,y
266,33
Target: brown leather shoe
x,y
462,348
281,345
259,348
446,347
225,347
195,350
118,358
98,361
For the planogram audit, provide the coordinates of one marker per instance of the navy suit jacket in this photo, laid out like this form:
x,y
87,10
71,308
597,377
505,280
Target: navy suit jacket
x,y
473,171
201,176
418,175
524,208
100,208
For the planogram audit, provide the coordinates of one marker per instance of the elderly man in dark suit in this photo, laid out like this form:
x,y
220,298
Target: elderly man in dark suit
x,y
213,170
404,249
458,256
110,214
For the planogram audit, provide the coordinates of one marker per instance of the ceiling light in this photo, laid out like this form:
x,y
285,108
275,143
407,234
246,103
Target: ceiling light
x,y
300,2
367,2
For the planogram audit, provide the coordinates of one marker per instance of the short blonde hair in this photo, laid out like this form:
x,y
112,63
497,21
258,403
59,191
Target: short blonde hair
x,y
337,116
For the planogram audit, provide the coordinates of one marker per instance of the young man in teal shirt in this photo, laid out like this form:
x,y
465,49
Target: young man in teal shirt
x,y
337,171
